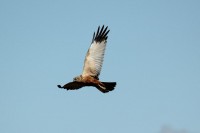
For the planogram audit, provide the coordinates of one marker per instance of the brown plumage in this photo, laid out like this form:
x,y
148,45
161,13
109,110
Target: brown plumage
x,y
92,65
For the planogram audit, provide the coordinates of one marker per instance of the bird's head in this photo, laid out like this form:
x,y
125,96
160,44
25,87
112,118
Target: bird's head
x,y
77,78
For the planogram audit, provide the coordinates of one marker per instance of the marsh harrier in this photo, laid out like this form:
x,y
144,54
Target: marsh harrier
x,y
92,65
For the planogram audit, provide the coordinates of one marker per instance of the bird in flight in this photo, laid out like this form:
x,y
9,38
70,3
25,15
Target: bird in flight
x,y
92,65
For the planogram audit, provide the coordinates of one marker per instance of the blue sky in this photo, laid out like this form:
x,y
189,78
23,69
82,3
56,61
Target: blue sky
x,y
153,54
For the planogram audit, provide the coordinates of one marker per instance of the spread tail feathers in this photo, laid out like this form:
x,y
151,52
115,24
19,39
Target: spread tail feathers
x,y
107,86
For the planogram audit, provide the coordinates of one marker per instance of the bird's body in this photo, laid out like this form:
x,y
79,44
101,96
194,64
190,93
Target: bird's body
x,y
92,65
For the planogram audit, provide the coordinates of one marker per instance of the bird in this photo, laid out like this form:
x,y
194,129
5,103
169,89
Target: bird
x,y
92,65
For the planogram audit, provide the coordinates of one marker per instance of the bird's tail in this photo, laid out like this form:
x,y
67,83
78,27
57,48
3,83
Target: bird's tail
x,y
106,86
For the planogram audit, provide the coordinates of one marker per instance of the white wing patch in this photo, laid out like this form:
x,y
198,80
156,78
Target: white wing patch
x,y
94,58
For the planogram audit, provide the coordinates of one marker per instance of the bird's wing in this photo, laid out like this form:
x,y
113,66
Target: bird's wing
x,y
73,85
94,57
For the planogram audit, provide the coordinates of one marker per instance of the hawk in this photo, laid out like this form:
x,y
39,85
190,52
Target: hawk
x,y
92,65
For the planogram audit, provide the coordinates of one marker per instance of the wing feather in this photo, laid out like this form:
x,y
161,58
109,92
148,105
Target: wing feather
x,y
75,85
94,57
72,85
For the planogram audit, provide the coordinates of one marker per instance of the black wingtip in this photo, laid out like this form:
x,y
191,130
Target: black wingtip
x,y
59,86
101,34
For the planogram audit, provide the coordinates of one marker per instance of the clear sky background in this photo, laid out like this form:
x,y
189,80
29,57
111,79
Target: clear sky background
x,y
153,54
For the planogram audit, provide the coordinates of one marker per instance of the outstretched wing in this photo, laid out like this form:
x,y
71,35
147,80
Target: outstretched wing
x,y
94,58
73,85
76,85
